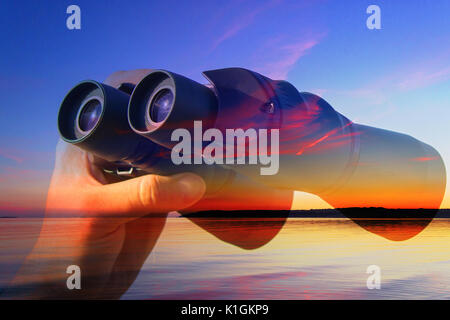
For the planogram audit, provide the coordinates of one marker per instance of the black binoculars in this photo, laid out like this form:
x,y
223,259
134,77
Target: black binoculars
x,y
134,132
313,148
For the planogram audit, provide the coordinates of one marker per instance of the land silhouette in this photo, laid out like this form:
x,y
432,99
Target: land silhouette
x,y
251,229
352,212
263,225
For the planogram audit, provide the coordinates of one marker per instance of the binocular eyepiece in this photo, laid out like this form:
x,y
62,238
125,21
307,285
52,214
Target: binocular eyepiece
x,y
164,101
241,107
135,131
107,122
93,116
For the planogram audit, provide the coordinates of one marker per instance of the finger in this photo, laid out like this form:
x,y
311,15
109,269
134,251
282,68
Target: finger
x,y
72,166
140,239
68,156
235,195
148,194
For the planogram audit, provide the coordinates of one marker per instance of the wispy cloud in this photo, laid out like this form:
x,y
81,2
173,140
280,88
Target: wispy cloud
x,y
10,155
243,21
377,96
25,156
410,76
424,159
22,188
283,57
24,180
424,78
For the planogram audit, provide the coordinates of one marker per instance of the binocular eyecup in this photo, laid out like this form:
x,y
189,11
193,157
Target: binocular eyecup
x,y
164,101
94,117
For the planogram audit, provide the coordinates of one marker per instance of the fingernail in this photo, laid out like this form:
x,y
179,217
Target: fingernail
x,y
192,186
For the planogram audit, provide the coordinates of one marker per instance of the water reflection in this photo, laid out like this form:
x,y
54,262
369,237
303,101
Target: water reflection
x,y
245,229
275,258
308,259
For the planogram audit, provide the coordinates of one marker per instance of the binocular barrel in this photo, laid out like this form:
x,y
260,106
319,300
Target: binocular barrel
x,y
164,101
137,130
93,116
316,149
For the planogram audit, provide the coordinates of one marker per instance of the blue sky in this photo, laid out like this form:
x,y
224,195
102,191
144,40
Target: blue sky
x,y
396,78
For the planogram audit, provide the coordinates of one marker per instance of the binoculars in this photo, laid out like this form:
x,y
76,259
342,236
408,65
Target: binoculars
x,y
315,148
135,132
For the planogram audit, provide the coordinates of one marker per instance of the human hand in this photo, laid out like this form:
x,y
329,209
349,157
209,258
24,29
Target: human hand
x,y
110,229
107,229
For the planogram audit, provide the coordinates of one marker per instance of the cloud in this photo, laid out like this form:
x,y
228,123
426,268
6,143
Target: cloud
x,y
243,21
411,76
424,159
424,78
26,155
23,189
24,180
377,95
371,95
10,155
275,54
284,57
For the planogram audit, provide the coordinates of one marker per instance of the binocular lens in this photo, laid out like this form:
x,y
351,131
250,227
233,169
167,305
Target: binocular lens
x,y
163,101
89,114
161,105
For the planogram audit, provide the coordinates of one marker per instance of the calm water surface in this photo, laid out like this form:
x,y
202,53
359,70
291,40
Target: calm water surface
x,y
308,259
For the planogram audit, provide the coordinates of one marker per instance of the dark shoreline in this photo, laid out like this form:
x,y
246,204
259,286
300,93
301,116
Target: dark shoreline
x,y
354,213
368,213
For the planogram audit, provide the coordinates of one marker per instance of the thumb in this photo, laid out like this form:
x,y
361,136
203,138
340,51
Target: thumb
x,y
150,194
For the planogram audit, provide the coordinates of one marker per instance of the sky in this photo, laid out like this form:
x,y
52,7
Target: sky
x,y
396,78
